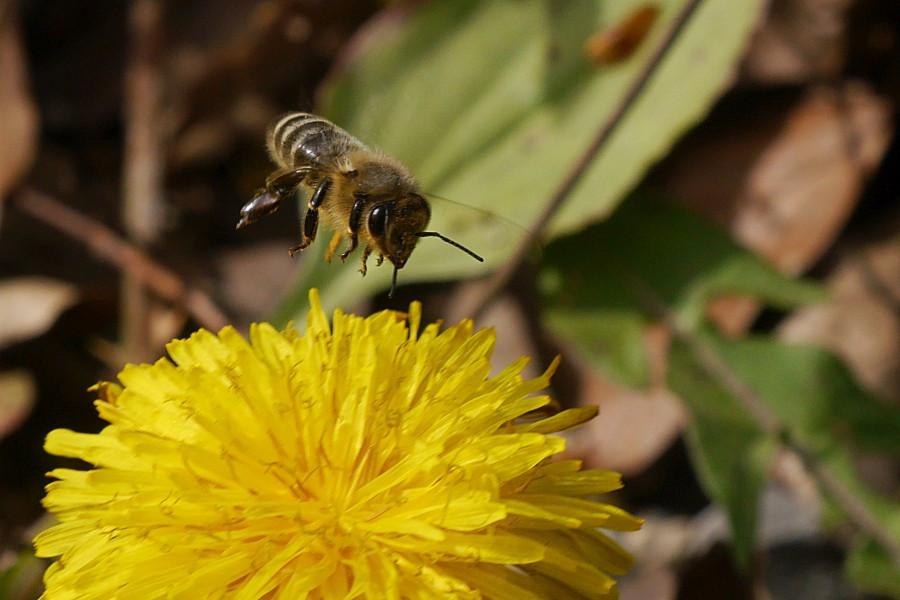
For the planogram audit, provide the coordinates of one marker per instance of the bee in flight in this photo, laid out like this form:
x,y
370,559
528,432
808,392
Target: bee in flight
x,y
368,196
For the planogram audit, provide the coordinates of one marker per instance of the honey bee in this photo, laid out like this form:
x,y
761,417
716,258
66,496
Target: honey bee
x,y
368,196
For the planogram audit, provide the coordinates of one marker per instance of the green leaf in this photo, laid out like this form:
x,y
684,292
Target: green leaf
x,y
810,395
613,342
870,567
647,253
491,103
588,281
810,389
729,451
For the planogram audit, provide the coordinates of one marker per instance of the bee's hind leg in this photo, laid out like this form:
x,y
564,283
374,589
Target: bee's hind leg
x,y
266,200
332,247
311,220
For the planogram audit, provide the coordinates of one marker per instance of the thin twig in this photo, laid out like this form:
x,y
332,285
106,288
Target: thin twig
x,y
127,257
142,180
473,305
711,362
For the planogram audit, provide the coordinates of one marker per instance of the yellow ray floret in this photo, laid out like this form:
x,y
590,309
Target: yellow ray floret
x,y
362,459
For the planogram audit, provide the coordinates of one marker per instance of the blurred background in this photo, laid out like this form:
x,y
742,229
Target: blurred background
x,y
695,203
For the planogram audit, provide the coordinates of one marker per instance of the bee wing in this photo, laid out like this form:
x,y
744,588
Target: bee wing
x,y
485,233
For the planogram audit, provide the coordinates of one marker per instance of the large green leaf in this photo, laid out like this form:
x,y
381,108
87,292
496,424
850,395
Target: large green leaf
x,y
491,103
588,281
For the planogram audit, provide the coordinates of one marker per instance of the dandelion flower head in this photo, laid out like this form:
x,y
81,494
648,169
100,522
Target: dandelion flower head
x,y
359,460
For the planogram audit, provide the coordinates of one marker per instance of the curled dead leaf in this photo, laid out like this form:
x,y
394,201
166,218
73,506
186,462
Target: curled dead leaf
x,y
17,393
800,41
30,305
784,181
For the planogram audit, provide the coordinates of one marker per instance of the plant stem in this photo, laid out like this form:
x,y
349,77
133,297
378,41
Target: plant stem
x,y
142,179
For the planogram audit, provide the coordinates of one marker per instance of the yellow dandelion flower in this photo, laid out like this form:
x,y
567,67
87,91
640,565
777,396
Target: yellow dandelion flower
x,y
363,460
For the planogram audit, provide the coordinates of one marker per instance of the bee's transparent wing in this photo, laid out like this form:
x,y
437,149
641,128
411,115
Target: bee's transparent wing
x,y
491,236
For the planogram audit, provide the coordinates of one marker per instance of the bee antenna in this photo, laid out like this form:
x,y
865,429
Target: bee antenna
x,y
451,242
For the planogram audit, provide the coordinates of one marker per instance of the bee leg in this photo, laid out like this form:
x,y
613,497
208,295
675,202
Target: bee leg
x,y
310,226
354,242
365,256
311,220
353,226
332,247
380,259
285,183
267,199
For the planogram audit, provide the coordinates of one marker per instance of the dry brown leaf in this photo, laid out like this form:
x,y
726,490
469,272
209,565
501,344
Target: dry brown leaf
x,y
634,427
30,305
653,583
18,115
782,181
800,41
807,182
17,393
860,323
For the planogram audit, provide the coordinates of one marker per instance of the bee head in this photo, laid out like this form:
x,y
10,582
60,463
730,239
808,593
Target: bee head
x,y
394,226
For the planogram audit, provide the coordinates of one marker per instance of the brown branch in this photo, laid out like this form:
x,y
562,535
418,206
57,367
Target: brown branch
x,y
127,257
142,179
472,305
142,185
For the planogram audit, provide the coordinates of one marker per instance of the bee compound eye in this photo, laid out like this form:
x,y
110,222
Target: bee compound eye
x,y
378,220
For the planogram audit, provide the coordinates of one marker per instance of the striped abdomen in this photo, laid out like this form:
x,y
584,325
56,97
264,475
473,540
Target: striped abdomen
x,y
302,139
